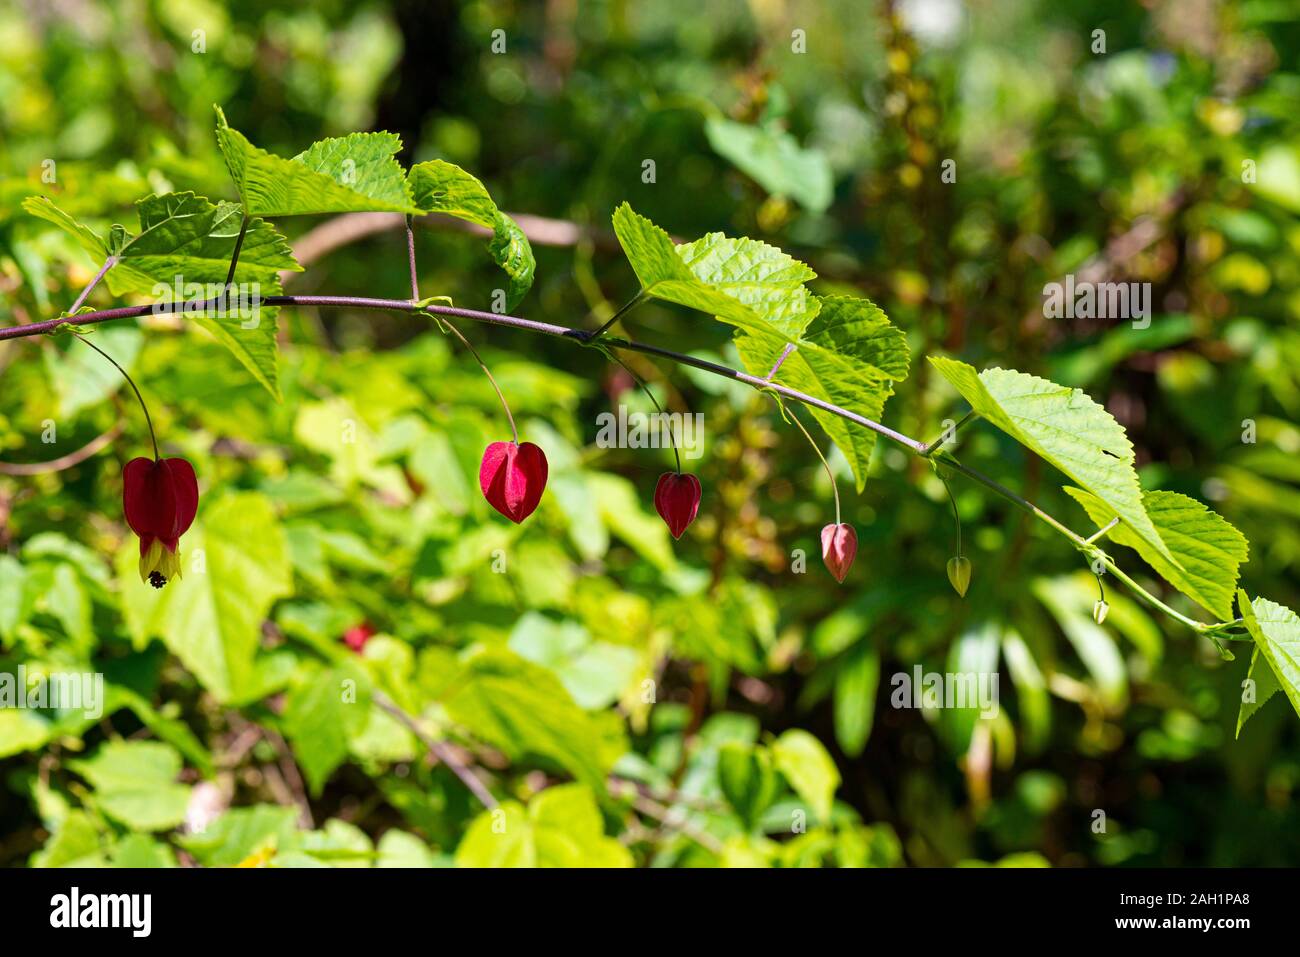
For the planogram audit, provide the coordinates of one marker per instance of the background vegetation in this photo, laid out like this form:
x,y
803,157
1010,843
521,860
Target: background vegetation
x,y
1122,165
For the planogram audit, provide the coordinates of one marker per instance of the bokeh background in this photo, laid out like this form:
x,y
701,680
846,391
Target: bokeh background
x,y
1124,165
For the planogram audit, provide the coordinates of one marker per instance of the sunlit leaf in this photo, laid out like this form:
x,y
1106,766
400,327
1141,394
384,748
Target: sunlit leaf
x,y
1066,428
1207,547
441,187
775,160
353,173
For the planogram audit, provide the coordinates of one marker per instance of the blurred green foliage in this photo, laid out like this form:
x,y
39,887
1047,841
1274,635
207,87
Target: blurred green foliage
x,y
731,697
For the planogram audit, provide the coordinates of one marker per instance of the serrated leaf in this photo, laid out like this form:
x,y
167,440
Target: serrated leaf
x,y
775,160
850,356
1276,630
182,253
441,187
1207,547
760,276
740,281
522,708
1261,674
561,827
90,241
135,783
1065,427
180,235
354,173
212,618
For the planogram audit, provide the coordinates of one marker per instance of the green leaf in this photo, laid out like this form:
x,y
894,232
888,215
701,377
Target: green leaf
x,y
1265,686
353,173
594,672
135,783
561,827
522,708
808,769
856,680
760,276
402,849
242,832
22,729
323,710
740,281
748,779
1207,547
83,379
441,187
180,235
211,618
1276,630
182,253
850,356
1031,689
76,843
774,159
140,851
1065,427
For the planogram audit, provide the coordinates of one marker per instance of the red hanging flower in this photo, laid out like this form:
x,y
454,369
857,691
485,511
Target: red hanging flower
x,y
839,548
677,500
160,497
513,478
357,636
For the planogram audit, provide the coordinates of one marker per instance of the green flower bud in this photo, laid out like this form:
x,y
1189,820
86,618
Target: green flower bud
x,y
959,574
1099,610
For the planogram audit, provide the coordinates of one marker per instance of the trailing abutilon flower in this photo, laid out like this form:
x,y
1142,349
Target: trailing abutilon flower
x,y
160,497
839,548
677,500
512,477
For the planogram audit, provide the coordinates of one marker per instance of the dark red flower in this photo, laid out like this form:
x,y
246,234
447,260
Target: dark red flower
x,y
512,478
357,636
160,497
677,500
839,548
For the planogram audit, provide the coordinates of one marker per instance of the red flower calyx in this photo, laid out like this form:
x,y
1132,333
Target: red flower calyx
x,y
677,500
160,498
513,477
839,548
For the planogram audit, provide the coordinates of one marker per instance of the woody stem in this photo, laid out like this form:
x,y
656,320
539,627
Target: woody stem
x,y
109,263
131,382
